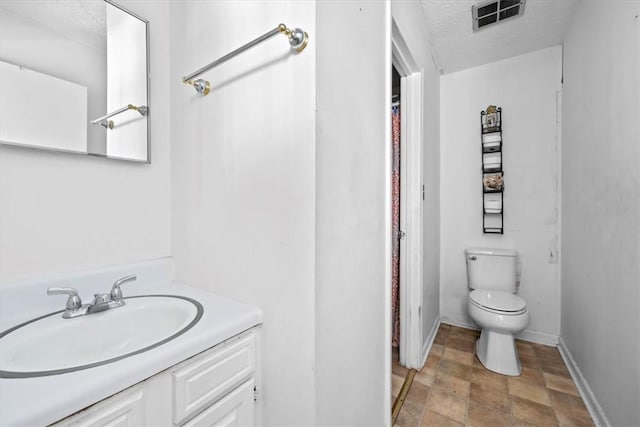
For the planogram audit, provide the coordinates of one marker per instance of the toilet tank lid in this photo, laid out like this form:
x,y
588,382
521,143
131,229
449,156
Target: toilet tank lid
x,y
491,251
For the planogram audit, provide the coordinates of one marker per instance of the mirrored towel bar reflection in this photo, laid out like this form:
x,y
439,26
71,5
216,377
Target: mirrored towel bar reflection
x,y
108,124
298,39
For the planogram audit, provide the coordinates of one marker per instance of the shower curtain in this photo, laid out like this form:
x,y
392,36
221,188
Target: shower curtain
x,y
395,227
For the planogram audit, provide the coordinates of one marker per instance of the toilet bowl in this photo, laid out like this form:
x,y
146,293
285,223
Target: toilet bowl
x,y
493,305
499,321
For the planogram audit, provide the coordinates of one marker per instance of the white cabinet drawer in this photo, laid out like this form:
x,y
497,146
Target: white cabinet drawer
x,y
199,382
125,410
235,409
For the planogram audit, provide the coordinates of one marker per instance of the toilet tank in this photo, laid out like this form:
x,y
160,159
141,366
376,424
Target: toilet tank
x,y
492,269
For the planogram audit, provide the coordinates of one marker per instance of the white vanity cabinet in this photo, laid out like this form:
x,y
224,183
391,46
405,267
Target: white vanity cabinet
x,y
213,388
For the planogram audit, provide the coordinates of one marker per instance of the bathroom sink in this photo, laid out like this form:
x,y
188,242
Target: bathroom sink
x,y
51,345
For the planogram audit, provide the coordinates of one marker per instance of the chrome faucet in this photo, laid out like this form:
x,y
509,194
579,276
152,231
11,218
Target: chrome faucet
x,y
101,302
116,292
74,305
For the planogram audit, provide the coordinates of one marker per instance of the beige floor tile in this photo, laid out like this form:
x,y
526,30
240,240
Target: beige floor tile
x,y
396,384
491,379
425,377
477,363
532,412
554,367
479,416
418,393
570,410
528,361
450,384
448,404
462,337
458,389
515,422
401,371
547,352
464,330
432,361
463,357
531,376
440,339
436,350
530,392
433,419
460,343
410,415
455,369
489,397
559,383
525,348
441,336
473,333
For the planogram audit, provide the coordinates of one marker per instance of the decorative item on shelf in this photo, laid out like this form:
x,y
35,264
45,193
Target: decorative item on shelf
x,y
492,172
492,183
492,119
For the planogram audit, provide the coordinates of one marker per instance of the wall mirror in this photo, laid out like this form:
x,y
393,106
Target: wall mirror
x,y
74,77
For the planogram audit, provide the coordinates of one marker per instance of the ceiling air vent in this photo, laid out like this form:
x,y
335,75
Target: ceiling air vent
x,y
494,11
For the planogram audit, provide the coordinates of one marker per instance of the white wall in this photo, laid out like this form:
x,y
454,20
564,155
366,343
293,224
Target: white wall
x,y
601,203
62,212
243,181
525,87
353,289
285,208
409,18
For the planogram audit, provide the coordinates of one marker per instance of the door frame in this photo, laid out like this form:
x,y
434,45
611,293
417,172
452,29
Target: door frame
x,y
411,201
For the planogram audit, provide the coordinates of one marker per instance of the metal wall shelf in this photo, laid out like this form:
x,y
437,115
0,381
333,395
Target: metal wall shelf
x,y
492,172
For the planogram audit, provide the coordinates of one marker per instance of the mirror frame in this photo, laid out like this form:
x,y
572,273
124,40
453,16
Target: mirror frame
x,y
148,81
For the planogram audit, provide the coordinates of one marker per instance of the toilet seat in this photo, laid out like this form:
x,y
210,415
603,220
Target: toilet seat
x,y
498,302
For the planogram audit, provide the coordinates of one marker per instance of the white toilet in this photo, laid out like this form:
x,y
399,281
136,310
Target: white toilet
x,y
494,306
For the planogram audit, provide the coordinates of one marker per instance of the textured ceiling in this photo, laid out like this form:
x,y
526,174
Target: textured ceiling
x,y
80,20
457,47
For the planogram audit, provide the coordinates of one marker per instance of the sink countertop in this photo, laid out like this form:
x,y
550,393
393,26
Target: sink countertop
x,y
45,400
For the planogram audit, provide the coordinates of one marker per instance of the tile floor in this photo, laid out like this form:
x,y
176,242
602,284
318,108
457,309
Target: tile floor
x,y
454,389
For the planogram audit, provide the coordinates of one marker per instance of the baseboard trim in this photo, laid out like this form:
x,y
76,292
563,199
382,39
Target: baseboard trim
x,y
589,399
527,335
426,348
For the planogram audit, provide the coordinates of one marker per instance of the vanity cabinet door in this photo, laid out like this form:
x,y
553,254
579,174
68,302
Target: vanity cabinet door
x,y
215,387
204,379
235,409
122,410
147,403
